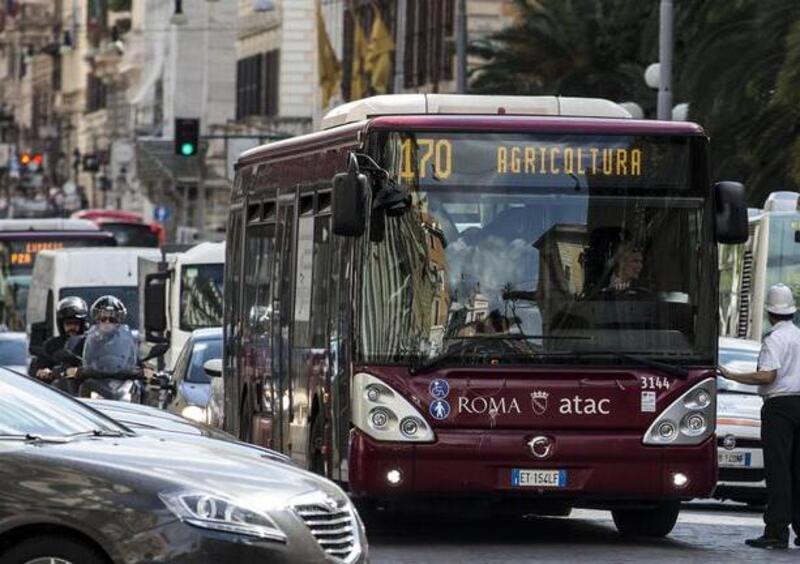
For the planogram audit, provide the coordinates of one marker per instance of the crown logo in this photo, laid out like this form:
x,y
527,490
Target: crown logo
x,y
539,401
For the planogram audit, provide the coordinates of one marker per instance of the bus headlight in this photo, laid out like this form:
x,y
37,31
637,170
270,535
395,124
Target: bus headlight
x,y
696,410
385,415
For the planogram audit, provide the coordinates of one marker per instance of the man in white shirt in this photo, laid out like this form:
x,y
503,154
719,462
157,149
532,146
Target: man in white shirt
x,y
778,376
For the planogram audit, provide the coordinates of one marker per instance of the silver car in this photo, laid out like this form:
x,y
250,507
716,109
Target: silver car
x,y
741,460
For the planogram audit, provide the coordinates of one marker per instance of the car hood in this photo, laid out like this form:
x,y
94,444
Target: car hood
x,y
176,463
195,394
144,418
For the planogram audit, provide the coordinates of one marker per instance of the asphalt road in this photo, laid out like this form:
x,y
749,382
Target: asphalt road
x,y
704,533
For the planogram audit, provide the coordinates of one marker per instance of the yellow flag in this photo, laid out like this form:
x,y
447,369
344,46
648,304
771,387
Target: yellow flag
x,y
358,83
378,60
330,70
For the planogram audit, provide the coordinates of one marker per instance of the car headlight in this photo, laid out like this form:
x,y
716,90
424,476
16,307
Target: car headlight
x,y
195,413
219,514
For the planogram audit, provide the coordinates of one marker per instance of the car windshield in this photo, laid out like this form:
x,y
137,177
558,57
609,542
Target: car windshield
x,y
13,351
30,408
128,294
534,248
737,361
203,351
201,296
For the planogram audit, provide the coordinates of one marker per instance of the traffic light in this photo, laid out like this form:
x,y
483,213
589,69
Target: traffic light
x,y
31,161
187,136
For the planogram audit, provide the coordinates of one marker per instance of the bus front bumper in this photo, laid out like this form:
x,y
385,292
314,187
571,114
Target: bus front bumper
x,y
597,466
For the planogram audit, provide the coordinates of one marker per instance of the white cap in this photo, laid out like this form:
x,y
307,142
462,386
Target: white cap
x,y
780,300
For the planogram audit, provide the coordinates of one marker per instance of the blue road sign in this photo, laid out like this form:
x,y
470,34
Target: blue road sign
x,y
161,213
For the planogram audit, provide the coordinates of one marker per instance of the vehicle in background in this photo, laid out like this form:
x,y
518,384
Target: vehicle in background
x,y
129,228
770,255
181,292
20,242
739,451
425,289
14,351
131,497
87,273
190,391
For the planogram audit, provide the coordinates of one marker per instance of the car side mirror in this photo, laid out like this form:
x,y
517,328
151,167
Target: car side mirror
x,y
157,351
349,201
213,367
730,213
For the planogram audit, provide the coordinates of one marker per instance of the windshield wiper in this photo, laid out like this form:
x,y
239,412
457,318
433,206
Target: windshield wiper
x,y
33,438
98,433
638,360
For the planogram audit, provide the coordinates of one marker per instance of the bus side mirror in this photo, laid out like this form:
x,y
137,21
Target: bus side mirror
x,y
730,213
155,307
350,190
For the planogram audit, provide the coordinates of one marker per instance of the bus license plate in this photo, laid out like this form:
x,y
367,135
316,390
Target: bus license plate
x,y
735,459
539,478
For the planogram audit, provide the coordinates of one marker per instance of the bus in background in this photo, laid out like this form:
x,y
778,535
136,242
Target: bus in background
x,y
504,301
129,228
181,292
22,239
770,255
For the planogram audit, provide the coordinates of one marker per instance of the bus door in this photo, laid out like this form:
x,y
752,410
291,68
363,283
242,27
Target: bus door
x,y
282,324
256,389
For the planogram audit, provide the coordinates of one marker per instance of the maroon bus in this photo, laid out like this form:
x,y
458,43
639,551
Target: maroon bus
x,y
510,302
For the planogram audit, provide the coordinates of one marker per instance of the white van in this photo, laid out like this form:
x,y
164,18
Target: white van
x,y
88,273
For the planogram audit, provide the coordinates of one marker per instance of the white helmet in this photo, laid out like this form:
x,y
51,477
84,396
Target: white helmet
x,y
780,300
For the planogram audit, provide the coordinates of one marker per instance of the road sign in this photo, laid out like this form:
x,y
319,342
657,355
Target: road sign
x,y
161,213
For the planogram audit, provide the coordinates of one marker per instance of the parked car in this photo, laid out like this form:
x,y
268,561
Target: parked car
x,y
191,386
741,461
77,487
14,351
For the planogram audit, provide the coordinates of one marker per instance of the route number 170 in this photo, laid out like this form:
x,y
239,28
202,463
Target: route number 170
x,y
435,152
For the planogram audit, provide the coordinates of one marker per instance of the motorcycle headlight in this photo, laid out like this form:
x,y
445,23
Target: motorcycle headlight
x,y
220,514
195,413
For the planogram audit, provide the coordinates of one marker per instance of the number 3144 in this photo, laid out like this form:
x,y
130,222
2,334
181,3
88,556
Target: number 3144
x,y
655,383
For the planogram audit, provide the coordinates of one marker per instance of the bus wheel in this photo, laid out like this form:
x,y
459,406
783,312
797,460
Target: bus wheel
x,y
316,460
654,522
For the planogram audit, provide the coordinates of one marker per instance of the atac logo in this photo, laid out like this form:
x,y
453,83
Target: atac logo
x,y
539,402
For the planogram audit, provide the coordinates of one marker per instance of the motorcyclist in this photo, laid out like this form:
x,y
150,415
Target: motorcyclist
x,y
110,348
72,320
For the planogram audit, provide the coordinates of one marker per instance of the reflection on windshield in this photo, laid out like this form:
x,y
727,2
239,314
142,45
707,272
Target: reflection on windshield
x,y
28,407
529,273
201,296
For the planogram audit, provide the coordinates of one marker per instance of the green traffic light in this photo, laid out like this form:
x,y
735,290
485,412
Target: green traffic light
x,y
187,149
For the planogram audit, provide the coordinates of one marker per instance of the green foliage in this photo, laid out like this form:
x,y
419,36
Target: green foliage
x,y
119,5
737,63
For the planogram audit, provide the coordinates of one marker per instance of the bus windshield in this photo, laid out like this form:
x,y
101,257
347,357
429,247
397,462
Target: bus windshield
x,y
783,253
539,248
201,296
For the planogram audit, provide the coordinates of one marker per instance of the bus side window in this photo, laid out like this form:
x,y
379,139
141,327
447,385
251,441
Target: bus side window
x,y
232,325
320,298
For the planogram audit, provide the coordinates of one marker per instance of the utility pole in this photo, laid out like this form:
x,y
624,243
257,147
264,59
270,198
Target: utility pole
x,y
400,47
665,42
461,46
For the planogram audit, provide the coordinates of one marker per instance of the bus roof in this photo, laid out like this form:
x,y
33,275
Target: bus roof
x,y
457,104
100,215
48,224
204,253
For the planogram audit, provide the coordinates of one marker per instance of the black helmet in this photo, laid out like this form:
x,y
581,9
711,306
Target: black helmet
x,y
109,305
71,307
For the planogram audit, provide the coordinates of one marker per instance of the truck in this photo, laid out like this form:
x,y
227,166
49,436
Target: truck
x,y
180,291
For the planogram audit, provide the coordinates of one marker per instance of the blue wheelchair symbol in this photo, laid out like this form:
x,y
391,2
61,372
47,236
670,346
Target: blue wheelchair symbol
x,y
440,409
439,388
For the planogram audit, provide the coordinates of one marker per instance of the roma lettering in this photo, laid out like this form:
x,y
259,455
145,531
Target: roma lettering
x,y
594,161
577,405
480,405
